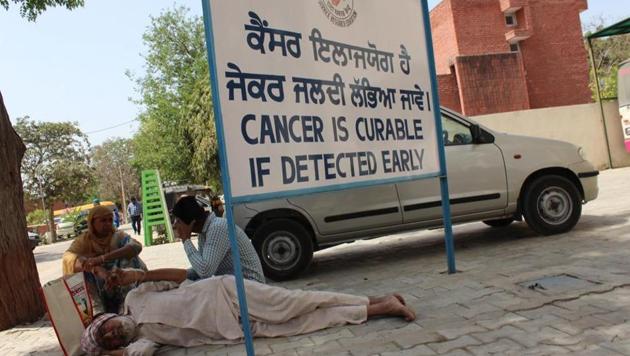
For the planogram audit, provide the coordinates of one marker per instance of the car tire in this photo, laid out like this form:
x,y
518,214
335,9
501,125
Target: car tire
x,y
552,205
285,248
499,222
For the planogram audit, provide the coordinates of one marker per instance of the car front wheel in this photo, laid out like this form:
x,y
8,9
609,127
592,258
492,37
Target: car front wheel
x,y
552,205
285,248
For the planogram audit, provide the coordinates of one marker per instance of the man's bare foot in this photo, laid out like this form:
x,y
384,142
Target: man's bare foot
x,y
400,298
374,300
393,306
380,299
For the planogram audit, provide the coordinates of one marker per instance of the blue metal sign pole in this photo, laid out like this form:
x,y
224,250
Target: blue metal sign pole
x,y
238,273
446,203
227,189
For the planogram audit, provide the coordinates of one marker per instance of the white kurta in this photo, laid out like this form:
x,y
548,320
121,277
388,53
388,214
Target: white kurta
x,y
207,312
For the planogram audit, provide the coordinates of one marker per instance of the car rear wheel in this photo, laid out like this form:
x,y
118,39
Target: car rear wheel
x,y
552,205
285,248
499,222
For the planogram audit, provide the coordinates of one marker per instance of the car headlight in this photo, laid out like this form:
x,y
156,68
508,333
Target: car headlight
x,y
582,153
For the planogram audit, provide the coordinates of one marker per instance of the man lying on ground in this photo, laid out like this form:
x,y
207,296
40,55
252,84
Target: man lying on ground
x,y
207,312
97,251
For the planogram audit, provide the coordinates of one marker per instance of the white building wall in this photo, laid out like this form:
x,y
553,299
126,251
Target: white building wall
x,y
579,124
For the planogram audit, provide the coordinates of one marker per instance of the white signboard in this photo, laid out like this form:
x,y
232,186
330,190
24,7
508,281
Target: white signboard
x,y
321,95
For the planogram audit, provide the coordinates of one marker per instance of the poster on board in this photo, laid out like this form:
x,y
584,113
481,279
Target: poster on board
x,y
321,95
623,96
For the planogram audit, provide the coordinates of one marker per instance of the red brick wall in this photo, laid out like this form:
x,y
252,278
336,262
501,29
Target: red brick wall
x,y
553,66
491,83
32,205
554,57
523,18
444,37
480,27
449,92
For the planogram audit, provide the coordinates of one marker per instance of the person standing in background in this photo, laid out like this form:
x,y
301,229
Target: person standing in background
x,y
116,217
134,210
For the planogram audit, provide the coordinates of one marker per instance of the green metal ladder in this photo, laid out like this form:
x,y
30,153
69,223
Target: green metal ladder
x,y
154,206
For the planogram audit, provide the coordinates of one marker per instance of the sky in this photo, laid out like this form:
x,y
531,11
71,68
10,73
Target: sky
x,y
70,65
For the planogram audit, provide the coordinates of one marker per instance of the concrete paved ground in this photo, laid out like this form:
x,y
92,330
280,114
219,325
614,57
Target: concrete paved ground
x,y
487,308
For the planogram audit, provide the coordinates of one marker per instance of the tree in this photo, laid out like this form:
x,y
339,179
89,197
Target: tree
x,y
56,163
36,217
177,135
19,294
112,162
608,53
33,8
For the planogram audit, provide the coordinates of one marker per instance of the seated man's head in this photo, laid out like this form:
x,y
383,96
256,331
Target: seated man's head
x,y
108,332
187,210
101,222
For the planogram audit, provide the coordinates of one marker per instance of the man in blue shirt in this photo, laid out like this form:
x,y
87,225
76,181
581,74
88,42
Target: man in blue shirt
x,y
134,210
116,217
213,255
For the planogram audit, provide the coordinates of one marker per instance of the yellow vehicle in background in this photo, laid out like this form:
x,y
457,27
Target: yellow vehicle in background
x,y
73,220
82,208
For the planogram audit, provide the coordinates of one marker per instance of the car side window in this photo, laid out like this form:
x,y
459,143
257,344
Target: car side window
x,y
455,133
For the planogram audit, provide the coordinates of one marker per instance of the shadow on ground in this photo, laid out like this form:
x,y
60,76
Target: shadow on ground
x,y
423,244
46,256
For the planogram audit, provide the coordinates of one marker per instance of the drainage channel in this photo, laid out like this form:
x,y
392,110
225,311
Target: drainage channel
x,y
558,284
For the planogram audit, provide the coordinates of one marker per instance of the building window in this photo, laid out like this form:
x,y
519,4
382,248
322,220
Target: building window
x,y
514,47
510,20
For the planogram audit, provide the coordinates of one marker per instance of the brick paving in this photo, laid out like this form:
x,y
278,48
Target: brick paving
x,y
485,309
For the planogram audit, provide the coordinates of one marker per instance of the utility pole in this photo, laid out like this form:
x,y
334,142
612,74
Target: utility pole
x,y
122,192
599,100
47,223
50,236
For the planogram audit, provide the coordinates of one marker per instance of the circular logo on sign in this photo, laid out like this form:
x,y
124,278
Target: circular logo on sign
x,y
339,12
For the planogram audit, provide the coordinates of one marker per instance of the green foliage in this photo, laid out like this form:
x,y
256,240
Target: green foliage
x,y
75,216
608,83
162,237
112,162
177,134
30,9
36,217
608,53
56,163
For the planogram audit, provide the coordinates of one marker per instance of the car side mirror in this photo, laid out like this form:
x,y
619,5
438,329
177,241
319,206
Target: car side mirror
x,y
475,131
480,136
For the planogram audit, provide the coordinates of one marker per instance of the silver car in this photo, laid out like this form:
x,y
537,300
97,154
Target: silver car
x,y
493,177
